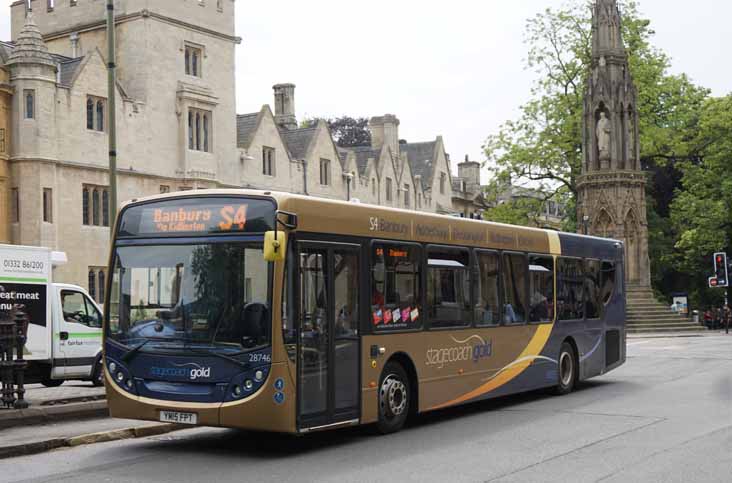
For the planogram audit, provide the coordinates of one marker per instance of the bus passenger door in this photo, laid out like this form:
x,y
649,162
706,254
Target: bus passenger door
x,y
328,369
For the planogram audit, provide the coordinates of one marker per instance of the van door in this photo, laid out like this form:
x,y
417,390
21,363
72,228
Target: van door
x,y
80,332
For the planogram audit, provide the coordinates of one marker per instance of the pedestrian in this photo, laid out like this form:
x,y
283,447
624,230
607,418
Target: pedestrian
x,y
708,319
727,318
718,318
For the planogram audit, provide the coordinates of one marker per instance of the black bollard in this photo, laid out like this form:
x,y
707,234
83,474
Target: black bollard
x,y
7,341
21,333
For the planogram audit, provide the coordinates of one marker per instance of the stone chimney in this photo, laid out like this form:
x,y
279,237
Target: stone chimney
x,y
385,131
284,95
470,172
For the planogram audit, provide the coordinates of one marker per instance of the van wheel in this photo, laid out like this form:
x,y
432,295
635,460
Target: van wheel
x,y
567,371
394,398
98,373
48,382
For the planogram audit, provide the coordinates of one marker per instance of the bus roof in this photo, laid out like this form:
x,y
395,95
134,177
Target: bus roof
x,y
359,219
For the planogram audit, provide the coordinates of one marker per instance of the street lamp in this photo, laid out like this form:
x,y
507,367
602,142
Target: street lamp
x,y
585,222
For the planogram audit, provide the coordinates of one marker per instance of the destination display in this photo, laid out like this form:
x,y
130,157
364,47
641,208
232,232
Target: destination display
x,y
198,216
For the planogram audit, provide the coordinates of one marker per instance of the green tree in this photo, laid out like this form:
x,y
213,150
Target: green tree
x,y
701,211
347,131
542,147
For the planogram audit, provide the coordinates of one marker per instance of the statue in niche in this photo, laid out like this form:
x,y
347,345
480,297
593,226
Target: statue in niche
x,y
603,137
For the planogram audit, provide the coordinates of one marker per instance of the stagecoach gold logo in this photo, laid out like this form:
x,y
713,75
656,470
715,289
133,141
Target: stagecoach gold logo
x,y
474,347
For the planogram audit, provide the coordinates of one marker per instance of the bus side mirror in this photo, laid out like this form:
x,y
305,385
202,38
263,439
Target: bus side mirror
x,y
274,249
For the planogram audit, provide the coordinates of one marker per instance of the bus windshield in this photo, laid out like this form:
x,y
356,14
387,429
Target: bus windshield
x,y
185,297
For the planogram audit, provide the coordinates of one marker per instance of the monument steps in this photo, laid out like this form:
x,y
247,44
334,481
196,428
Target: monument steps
x,y
645,314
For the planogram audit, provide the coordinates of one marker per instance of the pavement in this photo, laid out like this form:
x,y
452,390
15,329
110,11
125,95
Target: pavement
x,y
72,400
665,416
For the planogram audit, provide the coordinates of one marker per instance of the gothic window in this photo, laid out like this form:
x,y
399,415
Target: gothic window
x,y
443,181
30,104
268,161
101,277
373,186
89,113
50,5
95,205
2,140
205,133
97,279
92,284
193,60
47,205
388,189
15,205
95,107
72,3
164,188
220,5
406,196
105,208
199,130
190,130
85,206
100,116
325,172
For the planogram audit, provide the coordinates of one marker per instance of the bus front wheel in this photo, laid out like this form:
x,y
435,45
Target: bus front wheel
x,y
567,370
394,398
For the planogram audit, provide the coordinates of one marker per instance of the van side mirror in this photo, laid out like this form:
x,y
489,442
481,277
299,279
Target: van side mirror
x,y
274,246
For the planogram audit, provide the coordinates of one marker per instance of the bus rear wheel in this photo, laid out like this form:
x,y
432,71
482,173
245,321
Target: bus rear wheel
x,y
567,370
394,398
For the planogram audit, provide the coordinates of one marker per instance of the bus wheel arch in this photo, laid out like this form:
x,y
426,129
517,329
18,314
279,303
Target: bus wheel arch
x,y
396,393
408,365
568,368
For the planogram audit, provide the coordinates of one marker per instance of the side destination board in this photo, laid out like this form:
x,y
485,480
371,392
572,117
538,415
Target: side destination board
x,y
365,220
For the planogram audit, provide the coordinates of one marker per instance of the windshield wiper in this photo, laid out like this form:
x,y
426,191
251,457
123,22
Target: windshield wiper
x,y
131,353
134,350
219,355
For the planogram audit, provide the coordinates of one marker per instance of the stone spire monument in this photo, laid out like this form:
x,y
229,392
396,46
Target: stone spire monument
x,y
611,189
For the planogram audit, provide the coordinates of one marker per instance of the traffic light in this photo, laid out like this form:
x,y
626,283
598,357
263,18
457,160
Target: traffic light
x,y
720,269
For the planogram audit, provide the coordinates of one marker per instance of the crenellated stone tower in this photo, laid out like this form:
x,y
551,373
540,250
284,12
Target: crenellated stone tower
x,y
611,189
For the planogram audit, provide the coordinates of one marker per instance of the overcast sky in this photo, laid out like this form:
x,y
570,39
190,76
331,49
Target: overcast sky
x,y
451,68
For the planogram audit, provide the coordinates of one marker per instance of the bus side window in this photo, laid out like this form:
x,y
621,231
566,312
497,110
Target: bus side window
x,y
570,289
515,270
541,288
395,286
487,304
592,289
607,282
448,287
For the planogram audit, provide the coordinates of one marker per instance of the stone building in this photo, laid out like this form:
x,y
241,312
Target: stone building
x,y
469,197
175,117
611,189
177,127
6,99
278,154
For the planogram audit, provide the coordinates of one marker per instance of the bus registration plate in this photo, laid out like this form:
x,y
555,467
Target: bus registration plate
x,y
178,417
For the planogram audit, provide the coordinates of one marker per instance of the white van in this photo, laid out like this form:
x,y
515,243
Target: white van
x,y
65,329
